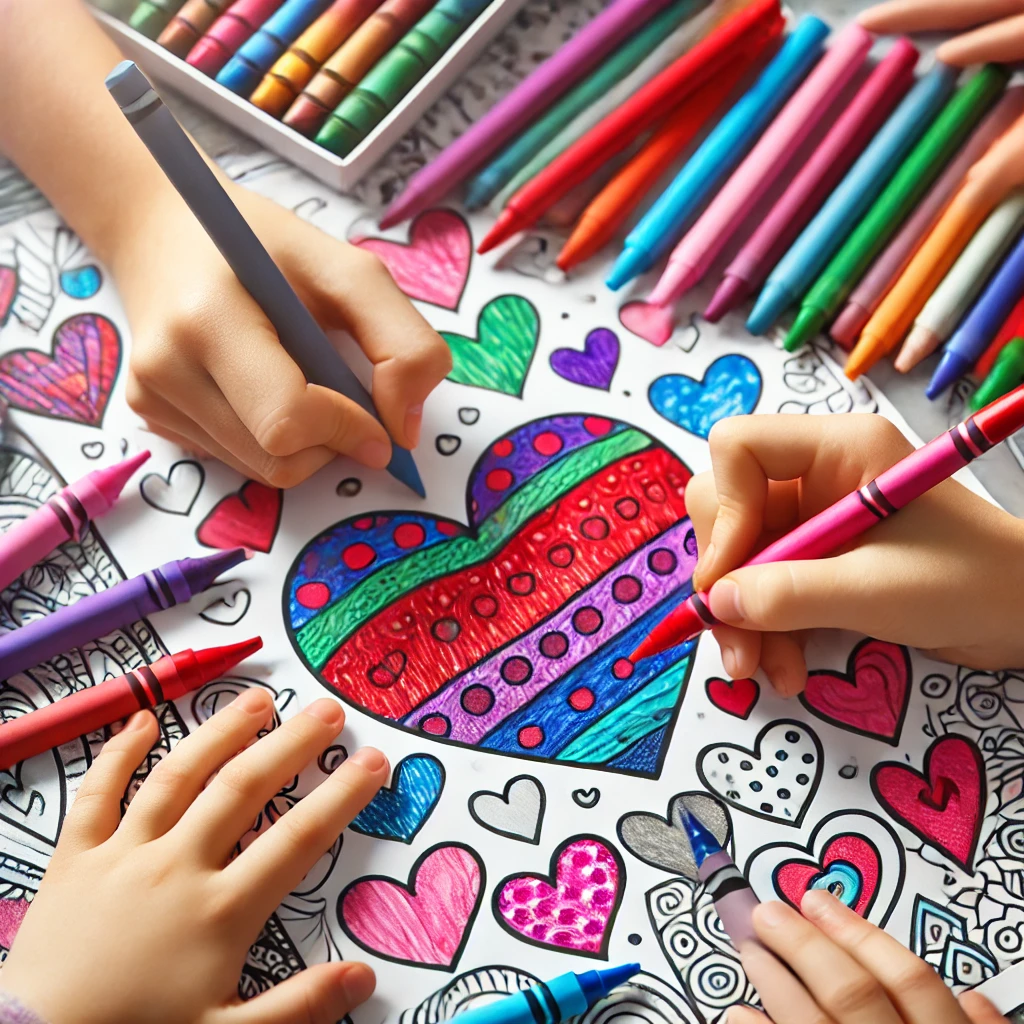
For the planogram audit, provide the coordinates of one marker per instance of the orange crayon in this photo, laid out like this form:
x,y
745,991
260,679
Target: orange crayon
x,y
345,68
292,71
1013,328
191,22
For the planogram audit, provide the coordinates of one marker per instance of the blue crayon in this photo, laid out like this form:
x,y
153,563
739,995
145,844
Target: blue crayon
x,y
245,70
982,323
550,1002
662,225
818,242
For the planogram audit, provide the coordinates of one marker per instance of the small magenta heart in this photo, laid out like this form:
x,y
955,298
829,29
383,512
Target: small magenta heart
x,y
733,696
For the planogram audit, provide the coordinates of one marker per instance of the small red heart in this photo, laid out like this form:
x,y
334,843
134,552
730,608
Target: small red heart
x,y
794,877
249,518
733,696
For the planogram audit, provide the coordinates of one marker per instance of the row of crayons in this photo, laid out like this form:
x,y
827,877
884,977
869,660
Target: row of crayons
x,y
65,517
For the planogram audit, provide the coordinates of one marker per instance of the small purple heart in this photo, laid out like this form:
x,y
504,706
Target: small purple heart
x,y
595,366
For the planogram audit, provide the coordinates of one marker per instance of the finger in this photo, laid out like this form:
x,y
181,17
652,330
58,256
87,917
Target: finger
x,y
321,994
740,1013
934,15
979,1010
846,992
187,446
912,985
741,650
1001,42
782,659
278,860
180,777
239,791
96,811
782,994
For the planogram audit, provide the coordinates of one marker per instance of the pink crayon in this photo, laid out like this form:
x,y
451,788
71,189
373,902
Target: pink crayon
x,y
698,248
866,297
228,32
64,517
808,189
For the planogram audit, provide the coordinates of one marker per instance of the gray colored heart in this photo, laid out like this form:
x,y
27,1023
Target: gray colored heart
x,y
177,492
517,813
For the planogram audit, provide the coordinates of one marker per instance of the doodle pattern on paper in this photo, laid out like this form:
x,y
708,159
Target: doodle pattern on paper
x,y
731,386
401,809
575,513
823,388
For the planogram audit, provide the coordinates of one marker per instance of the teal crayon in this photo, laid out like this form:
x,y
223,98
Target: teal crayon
x,y
151,17
394,75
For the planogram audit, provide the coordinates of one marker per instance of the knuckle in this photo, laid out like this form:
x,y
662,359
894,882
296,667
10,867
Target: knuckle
x,y
169,773
240,781
300,834
147,366
916,978
853,995
282,473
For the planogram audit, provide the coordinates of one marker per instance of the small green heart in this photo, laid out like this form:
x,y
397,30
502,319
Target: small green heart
x,y
499,357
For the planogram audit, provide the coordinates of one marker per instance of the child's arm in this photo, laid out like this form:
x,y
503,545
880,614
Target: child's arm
x,y
206,369
945,574
149,918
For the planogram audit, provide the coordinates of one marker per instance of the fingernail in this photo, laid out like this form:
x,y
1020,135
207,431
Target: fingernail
x,y
818,903
726,603
375,454
138,721
251,701
773,913
705,561
413,422
729,660
357,984
329,711
369,758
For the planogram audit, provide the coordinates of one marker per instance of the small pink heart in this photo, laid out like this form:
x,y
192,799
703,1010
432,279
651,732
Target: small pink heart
x,y
652,323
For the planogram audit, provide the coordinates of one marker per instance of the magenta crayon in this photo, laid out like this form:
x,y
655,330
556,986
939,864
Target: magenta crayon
x,y
106,611
64,517
763,165
844,142
849,517
228,33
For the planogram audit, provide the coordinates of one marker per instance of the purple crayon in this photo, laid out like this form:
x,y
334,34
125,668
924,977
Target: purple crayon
x,y
64,517
102,613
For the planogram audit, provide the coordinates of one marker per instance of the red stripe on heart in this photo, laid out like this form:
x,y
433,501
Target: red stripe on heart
x,y
733,696
249,518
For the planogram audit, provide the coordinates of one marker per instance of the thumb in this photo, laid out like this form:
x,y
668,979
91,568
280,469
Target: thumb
x,y
980,1010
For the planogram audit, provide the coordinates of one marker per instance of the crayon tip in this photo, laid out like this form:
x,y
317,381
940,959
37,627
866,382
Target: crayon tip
x,y
632,262
110,480
921,342
403,469
773,301
504,228
577,248
402,207
681,624
215,661
673,285
201,572
949,369
612,977
809,321
848,325
702,841
479,192
728,295
868,350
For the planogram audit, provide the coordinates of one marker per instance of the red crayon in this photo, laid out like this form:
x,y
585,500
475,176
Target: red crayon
x,y
1013,328
87,710
228,33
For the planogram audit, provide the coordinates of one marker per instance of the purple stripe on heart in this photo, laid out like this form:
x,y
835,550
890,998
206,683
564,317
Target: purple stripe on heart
x,y
488,678
595,366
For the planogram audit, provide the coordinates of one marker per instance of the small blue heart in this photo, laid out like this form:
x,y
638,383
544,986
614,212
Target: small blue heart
x,y
400,810
81,283
731,387
842,880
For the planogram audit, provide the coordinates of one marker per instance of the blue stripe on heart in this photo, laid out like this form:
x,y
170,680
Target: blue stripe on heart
x,y
400,810
731,387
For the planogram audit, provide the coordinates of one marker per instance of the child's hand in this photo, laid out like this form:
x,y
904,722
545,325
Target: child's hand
x,y
998,27
944,574
847,971
208,372
149,918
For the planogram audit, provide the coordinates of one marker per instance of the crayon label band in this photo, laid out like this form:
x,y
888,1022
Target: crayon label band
x,y
703,610
724,881
139,692
159,588
872,498
141,108
969,443
71,513
554,1010
978,439
536,1010
154,690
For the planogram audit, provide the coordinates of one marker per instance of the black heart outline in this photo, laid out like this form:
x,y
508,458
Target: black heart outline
x,y
504,797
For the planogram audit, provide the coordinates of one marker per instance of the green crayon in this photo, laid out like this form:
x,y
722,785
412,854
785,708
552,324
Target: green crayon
x,y
396,73
919,169
118,8
1006,374
151,17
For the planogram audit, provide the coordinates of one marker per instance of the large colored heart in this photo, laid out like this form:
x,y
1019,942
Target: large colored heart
x,y
434,265
499,357
249,518
595,366
731,387
944,805
74,382
574,907
870,697
733,696
849,869
400,810
425,923
511,634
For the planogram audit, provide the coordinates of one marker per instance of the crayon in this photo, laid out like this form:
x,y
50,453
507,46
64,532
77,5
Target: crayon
x,y
801,263
984,187
112,700
921,167
489,181
719,152
189,24
228,32
884,88
150,17
956,292
243,71
858,511
982,323
762,166
1006,374
552,79
886,270
300,335
118,8
294,68
1013,327
102,613
754,27
396,73
64,517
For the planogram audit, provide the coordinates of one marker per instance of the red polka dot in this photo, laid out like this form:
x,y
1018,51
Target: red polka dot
x,y
623,668
313,595
516,670
662,561
409,535
655,492
554,645
561,555
445,630
363,524
436,725
447,529
594,528
627,589
548,443
485,606
477,700
531,736
522,583
627,508
587,620
503,448
499,479
358,556
581,699
597,426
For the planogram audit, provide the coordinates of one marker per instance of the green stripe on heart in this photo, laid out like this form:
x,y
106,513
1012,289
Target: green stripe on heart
x,y
499,357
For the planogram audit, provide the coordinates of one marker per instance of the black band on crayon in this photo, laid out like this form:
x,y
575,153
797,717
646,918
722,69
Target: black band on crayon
x,y
60,512
138,691
78,510
961,445
981,442
165,589
880,499
536,1011
870,505
554,1010
703,610
154,684
137,114
731,883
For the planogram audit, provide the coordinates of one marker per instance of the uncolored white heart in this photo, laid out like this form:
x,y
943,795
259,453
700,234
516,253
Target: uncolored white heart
x,y
518,813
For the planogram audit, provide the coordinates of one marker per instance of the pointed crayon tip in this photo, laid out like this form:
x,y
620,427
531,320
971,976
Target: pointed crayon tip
x,y
728,296
110,480
200,573
808,322
215,661
504,228
702,840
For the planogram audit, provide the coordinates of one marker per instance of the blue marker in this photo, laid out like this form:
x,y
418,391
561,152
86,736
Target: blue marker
x,y
245,70
662,225
982,323
551,1002
818,242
